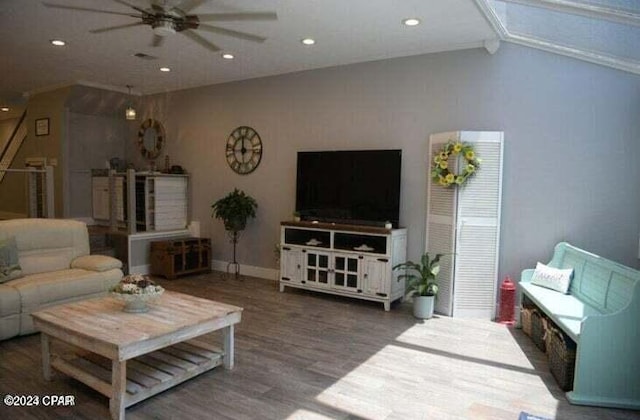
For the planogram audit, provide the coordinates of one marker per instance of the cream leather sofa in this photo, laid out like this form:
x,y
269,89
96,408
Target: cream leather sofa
x,y
56,268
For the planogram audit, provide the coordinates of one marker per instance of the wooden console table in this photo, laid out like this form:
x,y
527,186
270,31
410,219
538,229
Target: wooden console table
x,y
175,257
160,347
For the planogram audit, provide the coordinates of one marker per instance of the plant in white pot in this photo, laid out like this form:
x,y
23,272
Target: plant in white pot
x,y
421,283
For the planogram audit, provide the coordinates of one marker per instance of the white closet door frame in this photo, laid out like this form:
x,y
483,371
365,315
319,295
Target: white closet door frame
x,y
443,201
461,295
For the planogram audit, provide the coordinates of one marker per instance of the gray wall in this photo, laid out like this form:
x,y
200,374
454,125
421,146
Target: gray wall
x,y
572,143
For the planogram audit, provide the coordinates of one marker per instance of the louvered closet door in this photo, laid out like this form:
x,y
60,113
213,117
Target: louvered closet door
x,y
478,231
440,235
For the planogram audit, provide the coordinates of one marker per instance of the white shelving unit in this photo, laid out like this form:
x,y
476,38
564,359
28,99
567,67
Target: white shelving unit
x,y
354,261
161,202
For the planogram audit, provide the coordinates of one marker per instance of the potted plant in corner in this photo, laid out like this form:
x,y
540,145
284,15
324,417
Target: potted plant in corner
x,y
421,283
234,210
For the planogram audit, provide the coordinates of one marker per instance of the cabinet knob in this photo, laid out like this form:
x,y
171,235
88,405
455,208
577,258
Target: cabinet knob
x,y
365,275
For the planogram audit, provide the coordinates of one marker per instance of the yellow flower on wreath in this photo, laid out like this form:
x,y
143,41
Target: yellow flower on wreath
x,y
441,172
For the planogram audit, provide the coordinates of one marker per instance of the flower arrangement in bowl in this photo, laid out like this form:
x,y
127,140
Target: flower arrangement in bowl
x,y
135,290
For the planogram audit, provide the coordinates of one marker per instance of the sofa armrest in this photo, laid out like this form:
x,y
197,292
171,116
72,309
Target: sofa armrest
x,y
526,275
96,263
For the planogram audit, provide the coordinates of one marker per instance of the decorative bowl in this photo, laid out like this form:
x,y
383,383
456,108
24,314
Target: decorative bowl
x,y
136,291
137,303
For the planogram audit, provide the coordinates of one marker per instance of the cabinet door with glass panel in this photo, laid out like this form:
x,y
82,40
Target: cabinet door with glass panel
x,y
346,272
316,268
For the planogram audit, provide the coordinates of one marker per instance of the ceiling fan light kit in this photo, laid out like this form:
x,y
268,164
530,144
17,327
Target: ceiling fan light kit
x,y
168,20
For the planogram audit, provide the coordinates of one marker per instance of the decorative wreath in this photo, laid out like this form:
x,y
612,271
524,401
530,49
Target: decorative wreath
x,y
440,170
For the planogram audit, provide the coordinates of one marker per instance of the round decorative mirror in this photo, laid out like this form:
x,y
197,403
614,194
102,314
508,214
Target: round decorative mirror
x,y
151,138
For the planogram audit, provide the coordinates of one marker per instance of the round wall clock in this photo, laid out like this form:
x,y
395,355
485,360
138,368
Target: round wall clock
x,y
151,138
244,150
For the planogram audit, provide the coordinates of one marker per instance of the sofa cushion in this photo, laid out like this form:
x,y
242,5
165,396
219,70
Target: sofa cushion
x,y
9,301
96,263
46,244
43,288
566,311
9,264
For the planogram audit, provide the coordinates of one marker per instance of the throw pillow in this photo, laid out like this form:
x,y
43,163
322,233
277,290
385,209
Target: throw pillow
x,y
552,278
96,263
9,265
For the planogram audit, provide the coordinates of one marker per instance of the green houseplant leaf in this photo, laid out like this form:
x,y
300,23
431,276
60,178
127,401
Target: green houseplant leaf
x,y
421,278
234,210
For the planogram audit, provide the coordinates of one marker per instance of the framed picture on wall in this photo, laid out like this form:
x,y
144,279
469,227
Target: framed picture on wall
x,y
42,127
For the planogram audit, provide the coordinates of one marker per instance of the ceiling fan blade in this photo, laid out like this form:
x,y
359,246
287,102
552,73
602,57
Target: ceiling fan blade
x,y
229,32
88,9
113,28
157,41
124,3
188,5
200,40
228,17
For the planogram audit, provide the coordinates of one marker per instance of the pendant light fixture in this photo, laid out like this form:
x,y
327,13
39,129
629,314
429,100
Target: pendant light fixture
x,y
130,112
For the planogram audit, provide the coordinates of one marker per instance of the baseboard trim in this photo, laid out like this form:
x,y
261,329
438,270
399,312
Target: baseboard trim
x,y
7,215
248,270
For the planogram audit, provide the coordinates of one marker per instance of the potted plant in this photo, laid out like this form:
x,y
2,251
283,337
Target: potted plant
x,y
234,209
296,216
421,283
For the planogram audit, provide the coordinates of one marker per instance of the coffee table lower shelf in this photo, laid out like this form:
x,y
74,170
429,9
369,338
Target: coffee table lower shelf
x,y
146,375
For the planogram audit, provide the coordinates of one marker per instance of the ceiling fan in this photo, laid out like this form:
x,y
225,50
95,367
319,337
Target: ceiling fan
x,y
169,19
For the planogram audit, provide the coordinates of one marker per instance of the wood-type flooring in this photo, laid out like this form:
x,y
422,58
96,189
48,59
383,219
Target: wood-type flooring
x,y
304,355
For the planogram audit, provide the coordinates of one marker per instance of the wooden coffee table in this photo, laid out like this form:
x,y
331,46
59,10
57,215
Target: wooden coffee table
x,y
130,357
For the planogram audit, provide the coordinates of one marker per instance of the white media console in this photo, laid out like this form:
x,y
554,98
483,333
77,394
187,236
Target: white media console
x,y
347,260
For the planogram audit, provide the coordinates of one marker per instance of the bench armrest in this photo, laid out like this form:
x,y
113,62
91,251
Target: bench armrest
x,y
96,263
526,275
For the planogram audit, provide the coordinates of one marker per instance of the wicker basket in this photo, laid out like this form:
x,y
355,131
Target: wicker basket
x,y
537,330
549,328
525,319
562,359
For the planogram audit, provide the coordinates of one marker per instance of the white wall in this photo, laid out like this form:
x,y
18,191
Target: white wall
x,y
572,143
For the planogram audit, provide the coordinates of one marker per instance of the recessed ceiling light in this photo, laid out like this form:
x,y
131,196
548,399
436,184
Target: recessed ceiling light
x,y
4,109
228,56
165,69
411,21
308,41
58,42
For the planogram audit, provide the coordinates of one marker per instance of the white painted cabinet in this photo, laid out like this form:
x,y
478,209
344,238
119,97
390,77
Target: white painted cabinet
x,y
100,193
354,261
161,202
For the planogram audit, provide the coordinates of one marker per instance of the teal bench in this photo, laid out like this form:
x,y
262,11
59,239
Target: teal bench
x,y
601,313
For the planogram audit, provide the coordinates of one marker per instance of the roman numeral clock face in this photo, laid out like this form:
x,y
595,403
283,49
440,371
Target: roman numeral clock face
x,y
244,150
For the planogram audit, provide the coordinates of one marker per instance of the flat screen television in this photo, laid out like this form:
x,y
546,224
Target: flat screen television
x,y
354,186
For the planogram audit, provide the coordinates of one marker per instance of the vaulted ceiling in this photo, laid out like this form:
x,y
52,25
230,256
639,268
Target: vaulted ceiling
x,y
345,31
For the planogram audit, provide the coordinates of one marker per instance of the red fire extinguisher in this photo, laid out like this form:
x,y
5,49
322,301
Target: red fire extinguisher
x,y
507,302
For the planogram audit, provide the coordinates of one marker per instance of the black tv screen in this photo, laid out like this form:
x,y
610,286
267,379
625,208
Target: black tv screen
x,y
355,186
